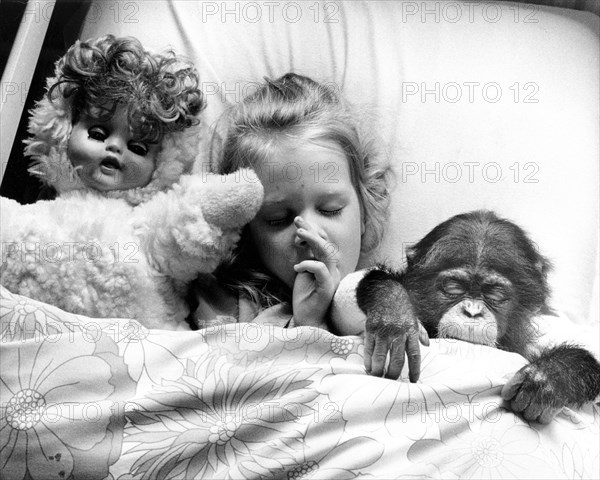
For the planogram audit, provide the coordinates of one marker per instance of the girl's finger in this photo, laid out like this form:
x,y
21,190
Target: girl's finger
x,y
304,225
301,223
323,250
318,269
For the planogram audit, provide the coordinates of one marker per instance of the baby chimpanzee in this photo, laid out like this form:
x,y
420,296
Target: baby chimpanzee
x,y
479,278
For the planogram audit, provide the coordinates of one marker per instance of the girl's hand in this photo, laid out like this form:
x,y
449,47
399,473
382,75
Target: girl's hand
x,y
316,280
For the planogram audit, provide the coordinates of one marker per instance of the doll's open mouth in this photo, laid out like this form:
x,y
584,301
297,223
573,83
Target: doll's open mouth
x,y
110,165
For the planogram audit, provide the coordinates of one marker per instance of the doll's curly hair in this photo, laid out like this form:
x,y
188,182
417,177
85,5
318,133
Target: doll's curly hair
x,y
161,94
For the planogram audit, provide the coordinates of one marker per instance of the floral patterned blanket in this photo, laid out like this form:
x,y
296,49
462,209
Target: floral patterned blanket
x,y
88,398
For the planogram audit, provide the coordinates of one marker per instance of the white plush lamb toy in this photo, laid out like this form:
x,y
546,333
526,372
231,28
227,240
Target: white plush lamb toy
x,y
116,135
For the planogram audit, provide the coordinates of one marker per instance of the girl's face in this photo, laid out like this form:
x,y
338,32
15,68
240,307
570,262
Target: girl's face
x,y
108,157
311,180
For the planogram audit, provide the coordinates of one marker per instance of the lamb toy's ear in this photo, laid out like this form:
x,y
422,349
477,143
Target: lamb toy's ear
x,y
49,129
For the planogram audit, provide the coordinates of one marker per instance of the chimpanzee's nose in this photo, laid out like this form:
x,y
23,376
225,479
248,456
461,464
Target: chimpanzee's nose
x,y
472,309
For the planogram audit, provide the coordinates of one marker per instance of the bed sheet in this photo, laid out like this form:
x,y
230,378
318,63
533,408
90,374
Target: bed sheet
x,y
89,398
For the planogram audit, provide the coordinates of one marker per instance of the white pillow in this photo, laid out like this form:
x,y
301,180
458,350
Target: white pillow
x,y
497,101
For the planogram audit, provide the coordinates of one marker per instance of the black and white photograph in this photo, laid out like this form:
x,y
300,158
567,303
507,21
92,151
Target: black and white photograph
x,y
304,239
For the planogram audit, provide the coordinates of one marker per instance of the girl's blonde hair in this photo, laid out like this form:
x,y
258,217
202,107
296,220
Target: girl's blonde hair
x,y
295,107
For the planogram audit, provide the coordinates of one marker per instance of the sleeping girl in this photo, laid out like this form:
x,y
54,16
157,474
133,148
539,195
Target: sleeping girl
x,y
326,202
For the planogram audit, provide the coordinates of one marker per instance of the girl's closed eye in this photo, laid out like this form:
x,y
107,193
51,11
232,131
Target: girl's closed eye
x,y
278,222
278,219
331,212
97,133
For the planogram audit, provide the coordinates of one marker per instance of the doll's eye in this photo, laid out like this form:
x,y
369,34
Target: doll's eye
x,y
97,133
138,148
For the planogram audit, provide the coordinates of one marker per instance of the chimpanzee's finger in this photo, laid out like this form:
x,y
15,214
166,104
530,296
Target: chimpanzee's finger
x,y
413,352
397,353
533,411
521,401
547,415
369,349
423,335
510,389
382,346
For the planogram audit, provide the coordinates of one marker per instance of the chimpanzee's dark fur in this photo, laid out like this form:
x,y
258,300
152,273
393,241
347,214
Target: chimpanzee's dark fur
x,y
484,268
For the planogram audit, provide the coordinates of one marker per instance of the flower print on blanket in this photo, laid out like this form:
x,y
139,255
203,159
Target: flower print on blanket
x,y
23,318
92,398
61,416
221,420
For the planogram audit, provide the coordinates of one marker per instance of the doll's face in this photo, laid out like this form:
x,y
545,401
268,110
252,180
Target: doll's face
x,y
107,156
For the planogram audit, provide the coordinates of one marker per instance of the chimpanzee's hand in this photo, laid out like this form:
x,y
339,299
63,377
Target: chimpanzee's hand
x,y
533,394
562,376
391,326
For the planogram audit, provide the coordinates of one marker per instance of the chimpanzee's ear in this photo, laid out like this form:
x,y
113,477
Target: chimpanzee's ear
x,y
535,258
543,265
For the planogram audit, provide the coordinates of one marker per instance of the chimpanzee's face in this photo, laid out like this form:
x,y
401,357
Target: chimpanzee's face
x,y
476,277
476,304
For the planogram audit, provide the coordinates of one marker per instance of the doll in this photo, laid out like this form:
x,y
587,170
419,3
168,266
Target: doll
x,y
116,136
